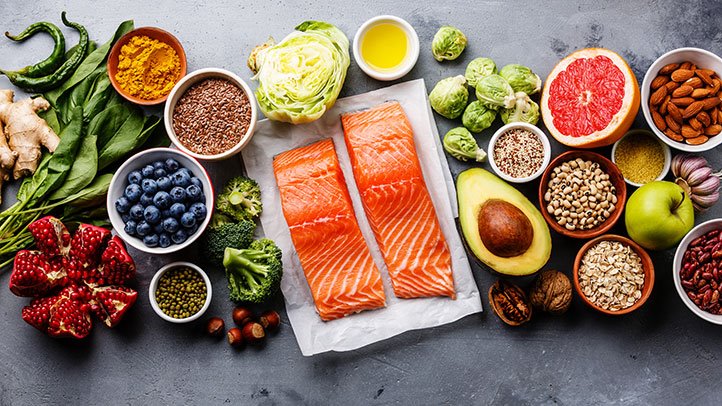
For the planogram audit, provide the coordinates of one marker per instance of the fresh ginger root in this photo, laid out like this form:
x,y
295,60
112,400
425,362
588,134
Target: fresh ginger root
x,y
25,133
7,159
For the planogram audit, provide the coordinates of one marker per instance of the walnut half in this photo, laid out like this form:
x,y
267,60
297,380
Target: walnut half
x,y
551,292
509,303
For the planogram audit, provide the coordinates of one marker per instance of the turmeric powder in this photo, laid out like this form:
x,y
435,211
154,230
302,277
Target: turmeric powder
x,y
147,68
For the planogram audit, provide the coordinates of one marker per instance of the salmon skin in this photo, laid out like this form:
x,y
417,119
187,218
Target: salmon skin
x,y
335,258
388,174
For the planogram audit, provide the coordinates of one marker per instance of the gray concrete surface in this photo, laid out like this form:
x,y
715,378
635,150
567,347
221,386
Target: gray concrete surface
x,y
662,354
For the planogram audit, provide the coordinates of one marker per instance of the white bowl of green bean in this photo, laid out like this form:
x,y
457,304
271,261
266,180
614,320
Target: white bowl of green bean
x,y
165,308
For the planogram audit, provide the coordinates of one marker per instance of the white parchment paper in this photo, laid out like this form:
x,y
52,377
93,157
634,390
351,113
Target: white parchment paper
x,y
313,335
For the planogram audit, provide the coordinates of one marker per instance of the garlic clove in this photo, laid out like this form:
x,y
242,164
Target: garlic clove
x,y
698,176
707,187
690,163
705,201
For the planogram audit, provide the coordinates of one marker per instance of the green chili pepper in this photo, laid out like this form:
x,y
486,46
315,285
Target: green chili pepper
x,y
48,82
52,62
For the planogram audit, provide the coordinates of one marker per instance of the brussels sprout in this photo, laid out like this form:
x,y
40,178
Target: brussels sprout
x,y
449,96
521,78
477,117
448,43
494,91
524,110
460,144
478,68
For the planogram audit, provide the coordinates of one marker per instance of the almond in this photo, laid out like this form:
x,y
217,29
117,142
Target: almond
x,y
713,130
659,121
687,65
704,118
694,123
665,103
710,102
700,93
683,91
659,81
674,112
705,75
658,96
669,68
680,75
693,109
713,116
672,125
694,82
673,135
696,140
715,86
671,86
689,132
682,101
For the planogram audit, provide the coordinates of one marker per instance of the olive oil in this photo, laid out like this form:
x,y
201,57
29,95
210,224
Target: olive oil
x,y
384,46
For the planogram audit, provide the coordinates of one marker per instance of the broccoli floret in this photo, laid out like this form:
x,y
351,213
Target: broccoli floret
x,y
217,239
267,245
219,219
240,199
253,275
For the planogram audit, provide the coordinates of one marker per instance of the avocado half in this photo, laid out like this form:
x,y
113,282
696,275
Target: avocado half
x,y
477,186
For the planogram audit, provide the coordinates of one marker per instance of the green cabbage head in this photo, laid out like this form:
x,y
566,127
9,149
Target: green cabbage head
x,y
300,77
449,96
521,78
449,42
478,68
494,91
460,144
478,117
525,109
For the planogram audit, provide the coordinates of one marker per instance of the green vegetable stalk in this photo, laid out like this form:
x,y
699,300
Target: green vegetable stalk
x,y
254,274
460,144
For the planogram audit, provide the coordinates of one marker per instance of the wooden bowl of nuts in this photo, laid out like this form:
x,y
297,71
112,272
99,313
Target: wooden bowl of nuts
x,y
681,99
582,194
615,287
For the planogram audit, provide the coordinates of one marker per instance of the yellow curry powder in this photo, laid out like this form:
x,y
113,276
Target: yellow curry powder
x,y
147,68
640,158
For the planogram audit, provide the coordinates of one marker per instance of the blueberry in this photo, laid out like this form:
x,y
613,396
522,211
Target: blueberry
x,y
160,172
146,199
135,177
179,236
194,193
147,171
164,214
198,210
162,200
164,183
170,225
151,240
181,178
188,219
159,165
130,227
178,194
192,230
158,228
149,186
122,205
133,192
171,164
177,210
196,182
151,215
125,217
164,240
136,212
143,228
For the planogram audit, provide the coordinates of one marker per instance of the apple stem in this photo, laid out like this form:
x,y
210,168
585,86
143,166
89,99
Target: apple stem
x,y
684,196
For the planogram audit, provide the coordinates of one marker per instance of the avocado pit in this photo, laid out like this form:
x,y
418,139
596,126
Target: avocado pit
x,y
504,229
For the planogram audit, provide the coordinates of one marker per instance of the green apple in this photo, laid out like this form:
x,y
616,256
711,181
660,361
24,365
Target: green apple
x,y
658,215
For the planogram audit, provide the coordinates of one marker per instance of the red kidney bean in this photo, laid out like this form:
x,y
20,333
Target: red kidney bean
x,y
701,273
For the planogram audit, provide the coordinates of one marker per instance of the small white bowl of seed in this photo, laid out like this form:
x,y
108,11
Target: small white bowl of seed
x,y
519,152
210,114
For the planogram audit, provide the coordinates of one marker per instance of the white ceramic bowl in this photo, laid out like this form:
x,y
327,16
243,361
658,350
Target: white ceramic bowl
x,y
701,58
188,81
526,126
154,286
412,54
681,248
136,162
665,149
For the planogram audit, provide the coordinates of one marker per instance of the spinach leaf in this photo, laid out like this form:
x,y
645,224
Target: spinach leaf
x,y
108,121
84,168
51,117
94,193
130,135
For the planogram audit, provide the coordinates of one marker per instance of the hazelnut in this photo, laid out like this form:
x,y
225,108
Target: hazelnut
x,y
235,338
215,327
270,320
253,333
551,292
242,315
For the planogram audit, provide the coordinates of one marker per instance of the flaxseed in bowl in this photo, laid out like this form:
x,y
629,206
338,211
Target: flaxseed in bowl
x,y
519,152
210,114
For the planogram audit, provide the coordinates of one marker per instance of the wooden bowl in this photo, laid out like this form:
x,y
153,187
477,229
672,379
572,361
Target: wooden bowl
x,y
615,176
153,33
646,264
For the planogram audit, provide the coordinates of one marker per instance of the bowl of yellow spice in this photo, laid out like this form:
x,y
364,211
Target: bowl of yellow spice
x,y
641,157
145,64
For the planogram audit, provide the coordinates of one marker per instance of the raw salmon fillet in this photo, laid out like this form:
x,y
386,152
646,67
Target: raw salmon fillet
x,y
335,258
398,206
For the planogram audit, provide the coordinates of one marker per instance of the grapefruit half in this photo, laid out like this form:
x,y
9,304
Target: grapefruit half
x,y
590,98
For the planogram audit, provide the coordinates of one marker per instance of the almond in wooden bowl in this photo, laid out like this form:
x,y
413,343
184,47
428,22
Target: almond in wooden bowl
x,y
582,194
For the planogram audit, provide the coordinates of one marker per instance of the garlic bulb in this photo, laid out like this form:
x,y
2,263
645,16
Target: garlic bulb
x,y
696,177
